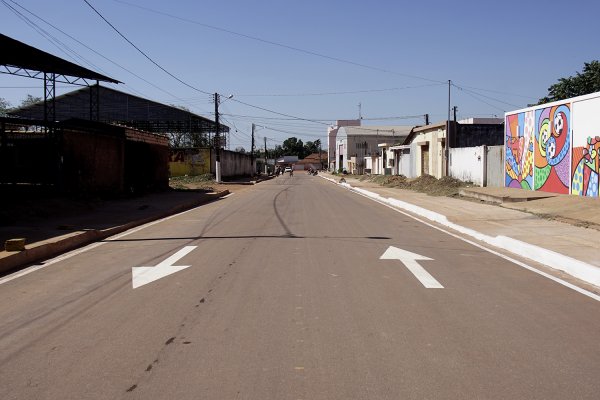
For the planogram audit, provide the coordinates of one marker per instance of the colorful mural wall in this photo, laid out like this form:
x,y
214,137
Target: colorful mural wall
x,y
552,155
555,149
519,150
585,167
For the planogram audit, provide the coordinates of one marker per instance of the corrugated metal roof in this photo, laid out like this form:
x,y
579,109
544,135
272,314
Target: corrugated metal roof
x,y
20,55
386,130
121,108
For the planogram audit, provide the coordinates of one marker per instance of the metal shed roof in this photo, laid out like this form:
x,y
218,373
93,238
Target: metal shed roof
x,y
123,109
18,58
388,130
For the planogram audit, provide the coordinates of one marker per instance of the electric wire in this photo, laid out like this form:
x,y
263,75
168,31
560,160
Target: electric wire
x,y
297,49
144,54
475,96
101,55
499,92
487,97
54,41
338,93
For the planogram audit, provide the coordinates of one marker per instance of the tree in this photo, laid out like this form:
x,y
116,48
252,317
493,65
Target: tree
x,y
293,147
4,106
240,149
585,82
30,100
277,151
312,147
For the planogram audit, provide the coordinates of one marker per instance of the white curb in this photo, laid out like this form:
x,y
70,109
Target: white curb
x,y
578,269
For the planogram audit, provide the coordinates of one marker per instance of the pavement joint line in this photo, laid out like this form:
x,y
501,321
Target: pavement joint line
x,y
547,257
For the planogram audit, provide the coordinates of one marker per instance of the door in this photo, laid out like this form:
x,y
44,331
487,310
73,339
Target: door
x,y
425,160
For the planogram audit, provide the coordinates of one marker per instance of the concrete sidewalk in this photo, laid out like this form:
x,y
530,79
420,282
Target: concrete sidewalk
x,y
49,237
546,228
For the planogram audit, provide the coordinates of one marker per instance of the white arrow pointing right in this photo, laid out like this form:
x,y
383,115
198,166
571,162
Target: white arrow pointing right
x,y
410,260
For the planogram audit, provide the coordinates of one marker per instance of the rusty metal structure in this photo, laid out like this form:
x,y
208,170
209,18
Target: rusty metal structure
x,y
91,140
18,58
124,109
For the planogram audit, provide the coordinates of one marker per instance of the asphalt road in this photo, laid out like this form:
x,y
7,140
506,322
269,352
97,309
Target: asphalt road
x,y
286,297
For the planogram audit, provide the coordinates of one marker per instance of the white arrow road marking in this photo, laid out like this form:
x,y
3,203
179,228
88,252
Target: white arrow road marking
x,y
410,260
143,275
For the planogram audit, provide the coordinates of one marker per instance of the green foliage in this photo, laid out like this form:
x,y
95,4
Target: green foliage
x,y
293,147
585,82
4,106
312,147
30,100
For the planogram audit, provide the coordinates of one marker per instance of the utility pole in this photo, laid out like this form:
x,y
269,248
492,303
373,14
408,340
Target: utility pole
x,y
217,141
320,161
252,152
448,133
426,119
359,111
454,109
266,158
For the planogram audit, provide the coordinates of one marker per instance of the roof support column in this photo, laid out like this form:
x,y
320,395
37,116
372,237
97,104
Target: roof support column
x,y
49,102
4,162
95,102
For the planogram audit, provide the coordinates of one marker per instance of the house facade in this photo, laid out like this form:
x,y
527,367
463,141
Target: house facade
x,y
357,147
424,150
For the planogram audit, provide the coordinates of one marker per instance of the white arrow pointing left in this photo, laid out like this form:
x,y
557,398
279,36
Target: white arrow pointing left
x,y
410,260
143,275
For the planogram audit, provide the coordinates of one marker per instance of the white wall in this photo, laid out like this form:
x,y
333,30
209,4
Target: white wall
x,y
468,164
495,166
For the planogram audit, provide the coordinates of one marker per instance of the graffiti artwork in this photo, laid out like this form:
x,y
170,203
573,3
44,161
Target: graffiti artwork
x,y
519,150
552,149
555,148
586,168
189,161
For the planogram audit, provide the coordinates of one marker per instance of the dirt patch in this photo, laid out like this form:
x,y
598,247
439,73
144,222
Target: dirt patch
x,y
203,182
445,186
206,183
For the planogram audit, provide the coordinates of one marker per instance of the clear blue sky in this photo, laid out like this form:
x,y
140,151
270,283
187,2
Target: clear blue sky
x,y
406,50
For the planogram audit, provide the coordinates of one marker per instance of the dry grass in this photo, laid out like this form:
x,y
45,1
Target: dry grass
x,y
445,186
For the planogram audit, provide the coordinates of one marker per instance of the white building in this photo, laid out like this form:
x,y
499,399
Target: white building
x,y
331,137
357,147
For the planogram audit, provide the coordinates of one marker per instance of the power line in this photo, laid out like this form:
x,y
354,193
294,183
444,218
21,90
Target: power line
x,y
310,52
144,54
54,41
276,118
101,55
278,113
395,118
479,95
476,97
336,93
487,97
499,92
